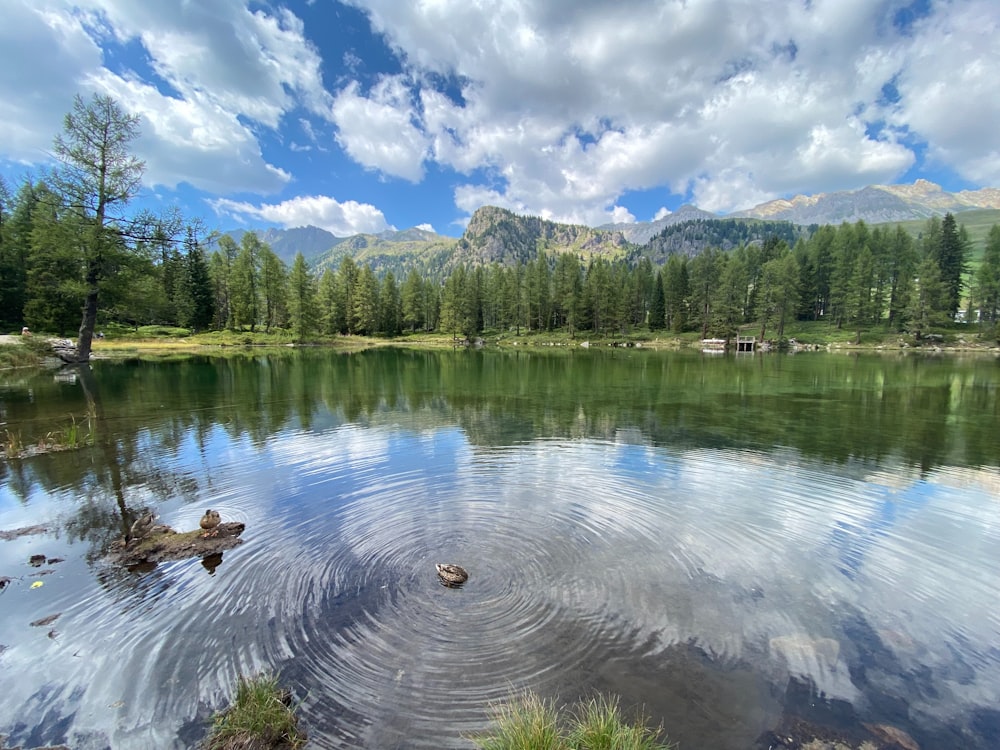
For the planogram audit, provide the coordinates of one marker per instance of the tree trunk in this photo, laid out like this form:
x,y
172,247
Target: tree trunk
x,y
89,321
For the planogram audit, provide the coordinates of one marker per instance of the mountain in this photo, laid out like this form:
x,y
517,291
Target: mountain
x,y
692,237
641,232
391,251
875,204
310,241
498,235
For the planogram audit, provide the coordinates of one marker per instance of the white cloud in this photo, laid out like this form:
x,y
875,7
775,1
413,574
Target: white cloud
x,y
378,130
224,67
426,228
731,101
192,140
28,123
662,213
950,92
341,219
249,62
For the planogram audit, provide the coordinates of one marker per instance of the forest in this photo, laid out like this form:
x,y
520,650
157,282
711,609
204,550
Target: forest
x,y
72,257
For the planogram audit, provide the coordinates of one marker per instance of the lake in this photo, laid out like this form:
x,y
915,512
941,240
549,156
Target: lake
x,y
735,544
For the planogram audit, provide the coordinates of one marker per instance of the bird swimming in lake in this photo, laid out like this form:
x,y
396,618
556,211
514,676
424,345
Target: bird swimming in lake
x,y
142,526
451,575
210,523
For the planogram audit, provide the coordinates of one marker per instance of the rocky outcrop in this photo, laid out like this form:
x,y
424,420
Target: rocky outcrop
x,y
163,543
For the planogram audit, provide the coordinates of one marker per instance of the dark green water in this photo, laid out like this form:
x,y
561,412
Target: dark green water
x,y
727,541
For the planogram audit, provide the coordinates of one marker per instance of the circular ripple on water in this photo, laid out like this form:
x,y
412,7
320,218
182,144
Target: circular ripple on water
x,y
380,647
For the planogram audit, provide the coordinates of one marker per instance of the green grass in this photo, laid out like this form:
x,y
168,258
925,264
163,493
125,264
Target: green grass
x,y
259,718
977,223
527,722
600,726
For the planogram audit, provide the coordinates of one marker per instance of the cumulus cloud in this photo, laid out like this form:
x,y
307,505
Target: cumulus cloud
x,y
956,113
218,68
378,130
28,123
340,219
728,102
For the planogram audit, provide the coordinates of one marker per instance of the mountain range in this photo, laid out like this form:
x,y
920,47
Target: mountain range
x,y
497,234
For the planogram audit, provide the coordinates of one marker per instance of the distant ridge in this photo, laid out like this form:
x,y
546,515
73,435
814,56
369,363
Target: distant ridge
x,y
498,235
641,232
874,204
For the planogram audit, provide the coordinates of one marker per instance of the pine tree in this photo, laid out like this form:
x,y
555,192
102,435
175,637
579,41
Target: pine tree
x,y
244,285
390,306
987,289
951,254
54,292
658,307
331,317
301,299
676,292
365,310
412,301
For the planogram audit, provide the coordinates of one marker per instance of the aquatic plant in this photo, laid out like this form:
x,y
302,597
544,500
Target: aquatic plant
x,y
600,726
529,723
12,445
524,723
260,717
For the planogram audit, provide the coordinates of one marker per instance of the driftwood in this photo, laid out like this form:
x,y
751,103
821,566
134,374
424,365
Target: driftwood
x,y
162,543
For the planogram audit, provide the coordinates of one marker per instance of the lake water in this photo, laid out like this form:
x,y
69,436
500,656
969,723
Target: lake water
x,y
731,543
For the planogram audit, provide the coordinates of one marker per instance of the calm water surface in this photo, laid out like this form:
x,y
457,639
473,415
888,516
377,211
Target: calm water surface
x,y
729,543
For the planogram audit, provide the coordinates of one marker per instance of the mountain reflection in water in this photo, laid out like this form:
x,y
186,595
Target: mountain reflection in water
x,y
727,542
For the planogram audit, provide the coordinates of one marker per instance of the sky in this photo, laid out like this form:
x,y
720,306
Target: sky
x,y
369,115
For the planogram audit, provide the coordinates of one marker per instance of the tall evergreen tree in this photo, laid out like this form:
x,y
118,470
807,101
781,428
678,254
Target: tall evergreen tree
x,y
780,278
704,278
927,307
347,281
987,284
98,178
273,288
390,306
15,252
331,318
301,299
54,292
902,265
676,292
951,254
412,301
658,307
365,312
244,284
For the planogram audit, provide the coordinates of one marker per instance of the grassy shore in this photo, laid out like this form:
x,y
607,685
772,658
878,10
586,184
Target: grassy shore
x,y
161,342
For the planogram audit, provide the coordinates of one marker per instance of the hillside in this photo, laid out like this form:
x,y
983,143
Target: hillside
x,y
641,232
498,235
977,223
691,237
398,252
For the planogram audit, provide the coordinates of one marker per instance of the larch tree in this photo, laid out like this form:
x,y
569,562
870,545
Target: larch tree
x,y
98,178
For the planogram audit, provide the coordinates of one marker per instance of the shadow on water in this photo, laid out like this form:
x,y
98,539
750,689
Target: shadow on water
x,y
745,548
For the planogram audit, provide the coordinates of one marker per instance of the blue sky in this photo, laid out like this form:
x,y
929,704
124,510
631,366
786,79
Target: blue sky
x,y
366,115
